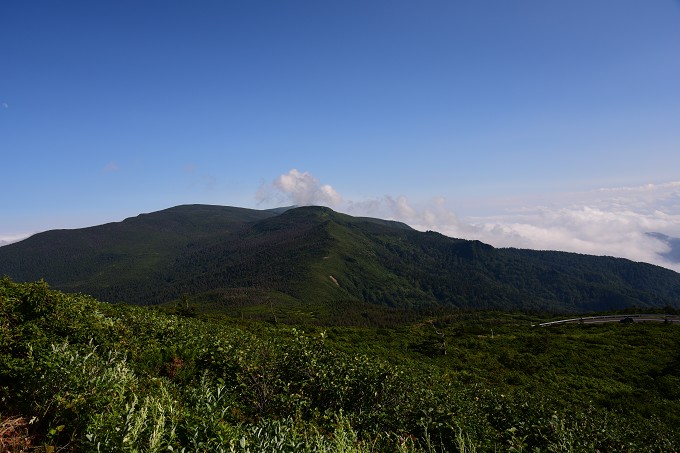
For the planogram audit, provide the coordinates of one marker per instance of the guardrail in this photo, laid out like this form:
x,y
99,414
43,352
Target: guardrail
x,y
669,319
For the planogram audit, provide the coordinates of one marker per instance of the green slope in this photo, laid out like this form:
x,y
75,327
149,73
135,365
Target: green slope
x,y
116,259
317,261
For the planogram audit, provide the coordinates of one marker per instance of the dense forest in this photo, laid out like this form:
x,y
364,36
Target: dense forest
x,y
81,375
232,259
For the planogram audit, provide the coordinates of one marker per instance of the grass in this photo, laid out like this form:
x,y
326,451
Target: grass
x,y
80,375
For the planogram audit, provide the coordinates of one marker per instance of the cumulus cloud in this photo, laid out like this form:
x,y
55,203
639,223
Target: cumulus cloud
x,y
609,221
299,188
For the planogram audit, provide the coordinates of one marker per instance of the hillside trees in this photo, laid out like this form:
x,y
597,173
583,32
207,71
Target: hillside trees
x,y
289,256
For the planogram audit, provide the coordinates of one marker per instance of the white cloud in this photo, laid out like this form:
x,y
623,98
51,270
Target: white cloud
x,y
427,216
299,188
7,239
601,222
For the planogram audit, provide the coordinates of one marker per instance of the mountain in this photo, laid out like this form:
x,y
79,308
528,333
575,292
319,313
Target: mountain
x,y
229,257
117,255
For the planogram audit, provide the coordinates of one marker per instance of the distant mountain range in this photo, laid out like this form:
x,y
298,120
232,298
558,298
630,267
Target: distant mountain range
x,y
227,256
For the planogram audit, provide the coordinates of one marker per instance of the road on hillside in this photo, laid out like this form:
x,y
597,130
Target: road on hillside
x,y
669,319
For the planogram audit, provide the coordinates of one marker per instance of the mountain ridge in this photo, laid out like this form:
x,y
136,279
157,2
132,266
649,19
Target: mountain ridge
x,y
228,257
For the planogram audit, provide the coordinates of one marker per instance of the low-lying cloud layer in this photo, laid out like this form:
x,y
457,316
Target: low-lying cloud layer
x,y
612,221
8,239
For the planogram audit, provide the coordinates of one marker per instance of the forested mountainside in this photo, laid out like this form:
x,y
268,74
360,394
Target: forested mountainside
x,y
227,256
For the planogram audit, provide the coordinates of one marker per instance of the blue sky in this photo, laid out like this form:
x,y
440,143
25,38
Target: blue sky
x,y
523,123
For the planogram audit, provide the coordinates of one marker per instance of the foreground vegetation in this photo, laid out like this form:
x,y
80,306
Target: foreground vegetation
x,y
80,375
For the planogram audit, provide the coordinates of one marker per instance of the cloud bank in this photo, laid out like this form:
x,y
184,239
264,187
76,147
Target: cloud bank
x,y
601,222
10,238
609,221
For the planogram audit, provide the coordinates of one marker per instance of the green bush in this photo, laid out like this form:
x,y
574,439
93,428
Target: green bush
x,y
97,377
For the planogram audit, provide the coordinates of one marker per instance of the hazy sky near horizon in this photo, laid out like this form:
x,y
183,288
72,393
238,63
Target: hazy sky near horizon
x,y
552,125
